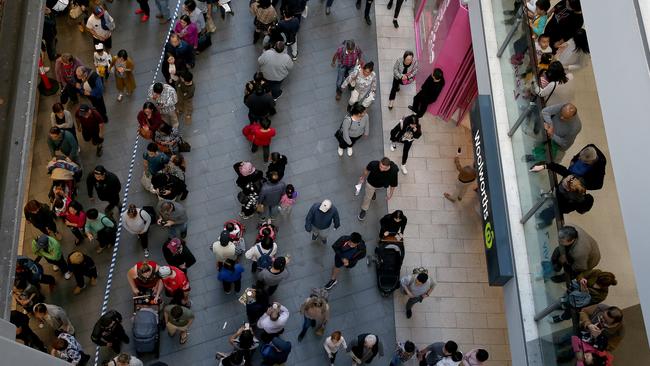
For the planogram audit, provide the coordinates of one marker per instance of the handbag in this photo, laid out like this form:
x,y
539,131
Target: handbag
x,y
146,134
259,208
242,198
576,298
184,146
75,11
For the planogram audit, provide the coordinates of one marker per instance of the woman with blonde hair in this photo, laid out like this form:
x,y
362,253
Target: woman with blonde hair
x,y
316,313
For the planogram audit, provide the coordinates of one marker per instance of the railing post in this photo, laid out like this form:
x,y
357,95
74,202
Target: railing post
x,y
521,119
545,196
511,33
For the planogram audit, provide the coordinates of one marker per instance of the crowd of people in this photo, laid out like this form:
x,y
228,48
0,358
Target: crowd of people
x,y
561,48
264,195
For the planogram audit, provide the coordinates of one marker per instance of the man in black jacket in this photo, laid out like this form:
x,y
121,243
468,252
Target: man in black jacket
x,y
348,250
108,331
428,93
260,105
108,188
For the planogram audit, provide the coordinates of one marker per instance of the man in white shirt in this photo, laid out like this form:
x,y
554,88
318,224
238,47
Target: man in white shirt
x,y
273,321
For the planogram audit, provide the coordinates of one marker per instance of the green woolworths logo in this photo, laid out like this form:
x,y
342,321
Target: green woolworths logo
x,y
489,235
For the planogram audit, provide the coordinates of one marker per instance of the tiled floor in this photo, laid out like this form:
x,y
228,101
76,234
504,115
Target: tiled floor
x,y
307,117
441,236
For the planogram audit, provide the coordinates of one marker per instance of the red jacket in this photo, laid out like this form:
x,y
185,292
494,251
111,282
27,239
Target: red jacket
x,y
255,134
179,282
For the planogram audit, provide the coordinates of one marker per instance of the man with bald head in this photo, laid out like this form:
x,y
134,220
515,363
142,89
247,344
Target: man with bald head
x,y
562,126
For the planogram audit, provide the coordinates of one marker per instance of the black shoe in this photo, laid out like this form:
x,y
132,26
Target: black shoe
x,y
362,215
395,23
301,336
183,234
409,313
100,150
314,236
390,5
561,278
358,4
510,21
374,196
368,21
329,285
184,195
411,108
556,319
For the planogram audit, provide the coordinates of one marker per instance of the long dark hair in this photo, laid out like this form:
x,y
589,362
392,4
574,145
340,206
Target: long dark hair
x,y
556,72
580,39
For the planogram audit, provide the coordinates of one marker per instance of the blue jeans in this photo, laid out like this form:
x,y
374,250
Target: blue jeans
x,y
163,8
395,361
306,324
329,5
342,73
177,229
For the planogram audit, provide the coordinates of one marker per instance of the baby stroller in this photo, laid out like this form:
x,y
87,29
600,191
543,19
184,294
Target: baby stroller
x,y
146,323
64,173
388,257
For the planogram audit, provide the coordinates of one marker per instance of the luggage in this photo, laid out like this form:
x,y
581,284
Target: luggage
x,y
145,330
205,41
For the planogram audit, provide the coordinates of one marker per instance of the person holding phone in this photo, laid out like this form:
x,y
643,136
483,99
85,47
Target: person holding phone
x,y
466,175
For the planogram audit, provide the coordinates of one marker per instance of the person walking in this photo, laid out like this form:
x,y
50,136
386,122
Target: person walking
x,y
406,131
91,86
403,352
82,266
144,10
62,118
39,215
63,142
405,68
137,221
466,176
345,59
271,193
164,15
108,188
428,92
393,224
433,353
364,81
260,135
355,125
273,276
273,321
377,174
260,105
348,250
108,331
123,68
316,313
101,228
416,286
476,357
230,273
100,25
365,348
49,248
366,12
275,352
320,218
174,217
275,64
165,98
333,344
178,319
91,125
398,7
264,15
55,317
289,26
178,254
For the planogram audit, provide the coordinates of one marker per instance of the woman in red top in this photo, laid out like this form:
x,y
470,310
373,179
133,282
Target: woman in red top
x,y
149,120
143,278
75,219
260,135
176,284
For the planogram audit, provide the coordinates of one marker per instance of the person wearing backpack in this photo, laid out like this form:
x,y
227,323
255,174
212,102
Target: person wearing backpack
x,y
229,274
101,227
416,286
137,221
275,352
109,332
273,276
261,254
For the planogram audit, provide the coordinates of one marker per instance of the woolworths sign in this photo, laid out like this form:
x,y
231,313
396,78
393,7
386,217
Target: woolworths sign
x,y
491,192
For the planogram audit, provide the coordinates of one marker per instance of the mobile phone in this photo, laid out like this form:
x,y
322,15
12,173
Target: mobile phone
x,y
247,326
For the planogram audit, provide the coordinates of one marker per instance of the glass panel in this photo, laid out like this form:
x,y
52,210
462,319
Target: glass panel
x,y
519,69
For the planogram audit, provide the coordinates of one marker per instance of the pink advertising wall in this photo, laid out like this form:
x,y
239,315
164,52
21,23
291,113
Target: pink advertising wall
x,y
443,40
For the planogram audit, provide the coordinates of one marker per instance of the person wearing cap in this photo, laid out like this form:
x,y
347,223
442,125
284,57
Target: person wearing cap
x,y
137,221
272,277
320,218
273,321
107,185
178,319
466,175
49,248
165,98
174,217
82,266
143,279
102,61
100,25
54,316
348,250
176,284
230,274
61,142
225,248
365,348
378,174
178,254
91,125
91,86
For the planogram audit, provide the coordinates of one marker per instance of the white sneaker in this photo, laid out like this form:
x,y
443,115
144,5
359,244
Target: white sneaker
x,y
393,147
340,151
119,97
55,268
67,275
349,151
404,171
